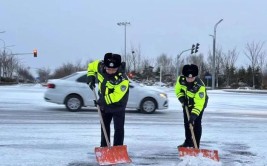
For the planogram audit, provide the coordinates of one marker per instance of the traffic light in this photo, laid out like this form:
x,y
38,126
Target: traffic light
x,y
197,47
34,53
192,49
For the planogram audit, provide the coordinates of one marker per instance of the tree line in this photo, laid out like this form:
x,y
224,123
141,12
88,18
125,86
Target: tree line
x,y
163,68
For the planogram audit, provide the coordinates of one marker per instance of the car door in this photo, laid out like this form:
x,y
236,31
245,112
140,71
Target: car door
x,y
133,101
85,91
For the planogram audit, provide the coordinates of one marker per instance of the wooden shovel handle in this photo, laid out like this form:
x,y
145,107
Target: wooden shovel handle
x,y
191,128
101,121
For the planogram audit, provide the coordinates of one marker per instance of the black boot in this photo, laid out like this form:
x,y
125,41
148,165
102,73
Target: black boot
x,y
186,144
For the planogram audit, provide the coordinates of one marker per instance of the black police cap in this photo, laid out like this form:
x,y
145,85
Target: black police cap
x,y
190,70
112,60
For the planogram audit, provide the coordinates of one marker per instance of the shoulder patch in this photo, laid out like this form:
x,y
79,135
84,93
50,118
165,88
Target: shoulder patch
x,y
123,88
201,94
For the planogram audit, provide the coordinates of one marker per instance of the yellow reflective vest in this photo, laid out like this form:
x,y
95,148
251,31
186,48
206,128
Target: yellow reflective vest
x,y
113,89
194,95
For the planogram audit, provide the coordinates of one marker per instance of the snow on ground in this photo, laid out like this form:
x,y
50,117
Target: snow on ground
x,y
235,124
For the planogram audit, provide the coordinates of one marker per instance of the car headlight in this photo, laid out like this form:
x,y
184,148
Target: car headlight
x,y
163,95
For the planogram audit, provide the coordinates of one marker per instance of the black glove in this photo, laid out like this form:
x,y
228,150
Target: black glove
x,y
91,82
96,103
182,101
192,118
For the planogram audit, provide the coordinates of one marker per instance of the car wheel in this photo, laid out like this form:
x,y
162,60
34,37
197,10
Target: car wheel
x,y
148,106
73,103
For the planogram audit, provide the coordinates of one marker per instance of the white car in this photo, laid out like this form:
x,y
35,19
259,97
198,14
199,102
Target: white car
x,y
74,93
245,88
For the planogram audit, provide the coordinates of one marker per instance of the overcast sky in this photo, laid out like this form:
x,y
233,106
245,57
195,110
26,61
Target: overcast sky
x,y
70,31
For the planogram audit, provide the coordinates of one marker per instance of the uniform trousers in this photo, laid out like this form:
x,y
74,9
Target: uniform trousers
x,y
118,120
197,128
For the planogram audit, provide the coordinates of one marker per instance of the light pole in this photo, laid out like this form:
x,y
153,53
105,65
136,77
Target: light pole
x,y
124,24
213,57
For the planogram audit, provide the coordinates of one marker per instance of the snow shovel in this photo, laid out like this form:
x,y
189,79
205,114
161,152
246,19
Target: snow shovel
x,y
186,151
111,154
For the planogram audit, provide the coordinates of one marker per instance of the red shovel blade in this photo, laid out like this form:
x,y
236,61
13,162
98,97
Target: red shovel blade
x,y
112,155
212,154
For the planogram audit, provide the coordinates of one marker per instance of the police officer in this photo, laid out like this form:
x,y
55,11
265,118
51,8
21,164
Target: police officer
x,y
191,92
113,86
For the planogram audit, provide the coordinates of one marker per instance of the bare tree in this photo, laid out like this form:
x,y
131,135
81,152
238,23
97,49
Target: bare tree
x,y
253,51
228,61
133,60
166,63
43,74
8,64
25,74
146,65
65,69
130,62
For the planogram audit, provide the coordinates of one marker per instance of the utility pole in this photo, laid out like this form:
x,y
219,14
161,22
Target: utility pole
x,y
160,74
213,57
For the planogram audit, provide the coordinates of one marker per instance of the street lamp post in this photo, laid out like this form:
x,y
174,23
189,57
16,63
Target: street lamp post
x,y
213,57
124,24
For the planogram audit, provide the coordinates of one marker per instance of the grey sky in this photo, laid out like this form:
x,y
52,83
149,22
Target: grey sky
x,y
69,31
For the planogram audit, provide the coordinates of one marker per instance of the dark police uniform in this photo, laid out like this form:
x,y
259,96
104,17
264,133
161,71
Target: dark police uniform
x,y
194,96
113,97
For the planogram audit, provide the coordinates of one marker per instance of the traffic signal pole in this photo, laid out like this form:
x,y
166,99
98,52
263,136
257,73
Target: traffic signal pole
x,y
178,57
34,53
194,49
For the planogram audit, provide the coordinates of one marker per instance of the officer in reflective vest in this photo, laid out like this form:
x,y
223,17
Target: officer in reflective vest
x,y
113,86
191,92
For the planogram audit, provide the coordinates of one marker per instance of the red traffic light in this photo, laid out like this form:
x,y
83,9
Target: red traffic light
x,y
34,53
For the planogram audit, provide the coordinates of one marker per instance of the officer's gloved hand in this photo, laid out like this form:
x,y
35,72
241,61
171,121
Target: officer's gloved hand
x,y
182,101
192,118
96,103
91,82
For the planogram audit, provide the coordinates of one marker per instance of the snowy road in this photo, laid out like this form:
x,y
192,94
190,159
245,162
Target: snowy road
x,y
36,133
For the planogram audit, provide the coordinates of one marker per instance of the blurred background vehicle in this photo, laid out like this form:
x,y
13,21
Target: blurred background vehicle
x,y
74,93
